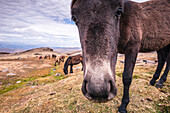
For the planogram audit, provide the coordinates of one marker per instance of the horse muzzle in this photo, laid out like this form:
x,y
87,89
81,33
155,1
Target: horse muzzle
x,y
98,89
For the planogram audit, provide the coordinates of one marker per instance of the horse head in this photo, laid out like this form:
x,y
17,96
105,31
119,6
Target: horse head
x,y
98,25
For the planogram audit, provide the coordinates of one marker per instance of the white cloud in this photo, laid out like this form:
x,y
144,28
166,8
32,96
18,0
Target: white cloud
x,y
10,35
37,22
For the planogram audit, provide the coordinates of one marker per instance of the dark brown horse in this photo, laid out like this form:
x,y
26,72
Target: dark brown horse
x,y
54,56
108,27
47,56
72,60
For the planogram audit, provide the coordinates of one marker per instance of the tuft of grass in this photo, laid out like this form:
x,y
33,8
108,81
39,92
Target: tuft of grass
x,y
150,72
72,104
13,85
136,76
51,72
162,105
9,88
26,110
29,79
119,74
60,77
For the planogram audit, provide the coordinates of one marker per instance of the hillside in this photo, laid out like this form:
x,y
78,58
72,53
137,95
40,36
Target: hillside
x,y
39,49
4,53
36,52
37,86
7,50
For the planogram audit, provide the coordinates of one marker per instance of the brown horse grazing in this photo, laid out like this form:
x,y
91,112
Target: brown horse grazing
x,y
108,27
72,60
47,56
59,59
54,56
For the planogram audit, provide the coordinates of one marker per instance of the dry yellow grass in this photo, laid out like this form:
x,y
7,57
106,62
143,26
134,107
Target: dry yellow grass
x,y
66,95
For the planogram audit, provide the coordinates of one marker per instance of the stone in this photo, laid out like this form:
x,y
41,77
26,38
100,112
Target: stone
x,y
9,74
52,93
18,82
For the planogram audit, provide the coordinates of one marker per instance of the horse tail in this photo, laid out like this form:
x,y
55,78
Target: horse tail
x,y
66,65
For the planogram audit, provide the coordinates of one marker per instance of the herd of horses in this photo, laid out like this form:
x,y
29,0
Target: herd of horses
x,y
71,60
109,27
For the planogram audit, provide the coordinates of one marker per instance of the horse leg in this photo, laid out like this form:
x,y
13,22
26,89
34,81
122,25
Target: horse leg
x,y
71,68
62,60
163,78
161,62
82,66
65,70
55,63
130,59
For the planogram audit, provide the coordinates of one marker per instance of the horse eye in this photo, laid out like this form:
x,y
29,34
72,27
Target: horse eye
x,y
119,12
74,18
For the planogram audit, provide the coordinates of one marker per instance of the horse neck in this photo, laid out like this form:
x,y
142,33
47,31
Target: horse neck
x,y
67,63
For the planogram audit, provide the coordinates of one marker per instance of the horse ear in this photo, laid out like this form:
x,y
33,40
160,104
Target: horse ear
x,y
73,2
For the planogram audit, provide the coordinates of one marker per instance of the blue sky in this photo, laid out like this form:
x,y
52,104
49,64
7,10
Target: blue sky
x,y
38,22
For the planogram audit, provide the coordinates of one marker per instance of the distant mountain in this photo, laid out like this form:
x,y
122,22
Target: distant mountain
x,y
41,49
7,50
23,46
12,48
4,53
16,46
66,49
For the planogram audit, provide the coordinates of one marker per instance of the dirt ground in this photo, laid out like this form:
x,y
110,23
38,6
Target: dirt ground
x,y
30,85
22,68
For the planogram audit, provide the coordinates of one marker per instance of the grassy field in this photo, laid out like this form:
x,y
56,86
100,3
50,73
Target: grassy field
x,y
36,88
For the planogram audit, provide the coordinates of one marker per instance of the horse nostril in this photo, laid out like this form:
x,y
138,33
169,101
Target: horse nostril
x,y
111,86
112,90
84,85
85,89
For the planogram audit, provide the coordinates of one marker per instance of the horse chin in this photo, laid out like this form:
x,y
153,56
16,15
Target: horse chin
x,y
99,100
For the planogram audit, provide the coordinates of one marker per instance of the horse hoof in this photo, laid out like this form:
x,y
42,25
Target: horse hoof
x,y
152,83
121,110
159,85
